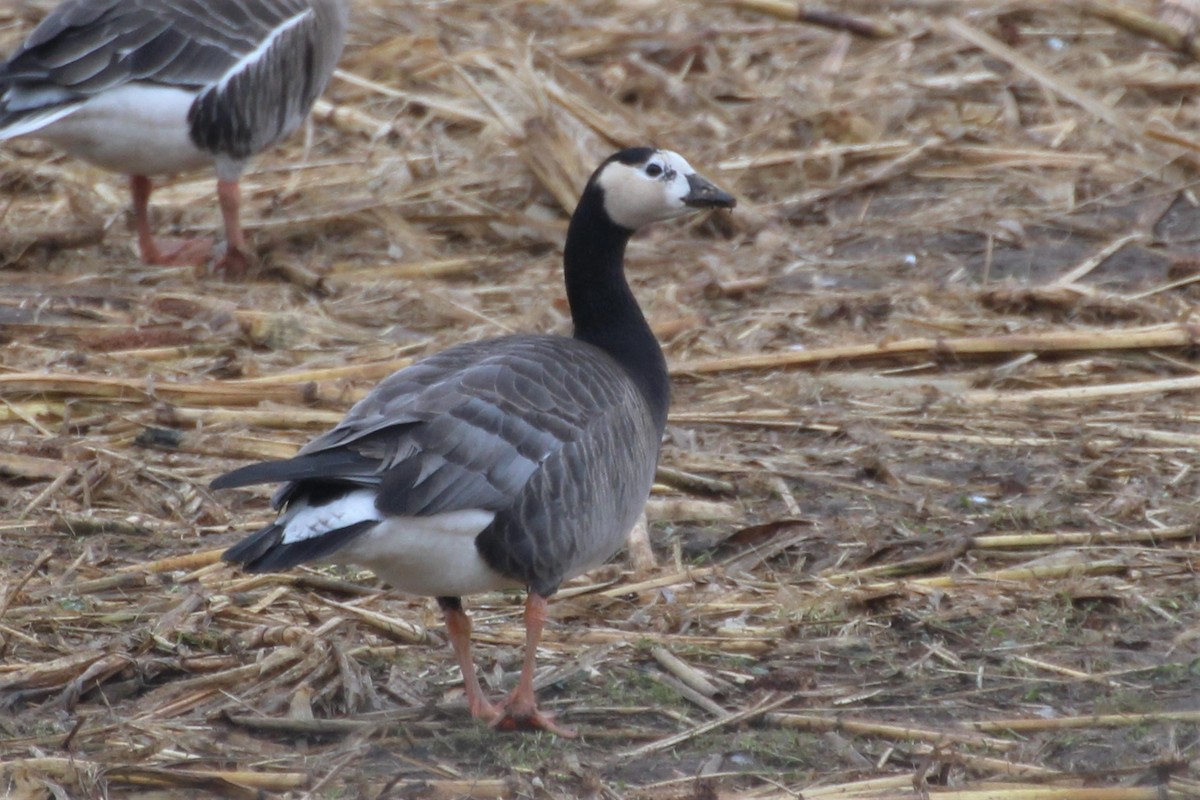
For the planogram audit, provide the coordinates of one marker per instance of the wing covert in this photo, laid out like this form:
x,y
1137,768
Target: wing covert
x,y
468,427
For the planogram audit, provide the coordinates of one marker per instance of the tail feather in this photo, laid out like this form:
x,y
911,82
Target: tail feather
x,y
248,551
16,120
265,551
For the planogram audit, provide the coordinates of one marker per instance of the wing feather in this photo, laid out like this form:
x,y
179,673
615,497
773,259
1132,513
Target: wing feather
x,y
267,92
464,429
318,465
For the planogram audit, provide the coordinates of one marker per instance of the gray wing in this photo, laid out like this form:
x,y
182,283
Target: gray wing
x,y
241,55
463,429
578,508
270,90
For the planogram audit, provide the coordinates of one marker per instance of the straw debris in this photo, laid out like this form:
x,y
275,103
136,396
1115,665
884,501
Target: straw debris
x,y
925,524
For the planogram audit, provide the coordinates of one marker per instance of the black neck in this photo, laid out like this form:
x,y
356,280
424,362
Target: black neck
x,y
603,308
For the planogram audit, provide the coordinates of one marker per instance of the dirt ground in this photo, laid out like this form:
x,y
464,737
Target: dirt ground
x,y
925,524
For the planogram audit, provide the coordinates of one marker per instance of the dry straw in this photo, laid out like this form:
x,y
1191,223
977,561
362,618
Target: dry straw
x,y
925,524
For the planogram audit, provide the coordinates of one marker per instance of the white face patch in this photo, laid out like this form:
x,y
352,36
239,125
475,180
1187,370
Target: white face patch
x,y
654,190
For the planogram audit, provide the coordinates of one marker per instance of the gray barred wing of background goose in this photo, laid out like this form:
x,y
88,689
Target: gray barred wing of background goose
x,y
257,66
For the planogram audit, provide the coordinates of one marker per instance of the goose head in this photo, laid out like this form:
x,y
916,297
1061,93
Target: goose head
x,y
641,185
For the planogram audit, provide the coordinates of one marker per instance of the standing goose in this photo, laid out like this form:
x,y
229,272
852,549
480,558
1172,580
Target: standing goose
x,y
156,87
518,461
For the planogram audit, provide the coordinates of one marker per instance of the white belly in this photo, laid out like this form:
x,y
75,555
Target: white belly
x,y
136,129
431,556
434,556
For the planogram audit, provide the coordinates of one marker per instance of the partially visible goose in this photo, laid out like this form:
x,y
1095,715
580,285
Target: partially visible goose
x,y
518,461
156,87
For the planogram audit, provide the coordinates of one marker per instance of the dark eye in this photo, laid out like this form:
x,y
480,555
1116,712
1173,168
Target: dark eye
x,y
654,170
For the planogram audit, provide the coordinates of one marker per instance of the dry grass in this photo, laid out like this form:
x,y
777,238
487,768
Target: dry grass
x,y
926,522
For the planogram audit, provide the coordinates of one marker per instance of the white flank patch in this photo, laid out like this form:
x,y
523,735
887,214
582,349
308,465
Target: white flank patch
x,y
136,129
434,556
302,521
254,56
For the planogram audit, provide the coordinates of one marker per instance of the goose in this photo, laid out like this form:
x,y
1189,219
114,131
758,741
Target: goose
x,y
510,462
157,87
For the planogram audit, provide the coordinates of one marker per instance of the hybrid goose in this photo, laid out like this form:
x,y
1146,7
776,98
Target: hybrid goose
x,y
157,87
518,461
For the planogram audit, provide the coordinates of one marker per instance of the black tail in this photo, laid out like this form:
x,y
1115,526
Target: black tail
x,y
265,551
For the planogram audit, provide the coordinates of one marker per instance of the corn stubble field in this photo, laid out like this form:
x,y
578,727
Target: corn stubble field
x,y
926,517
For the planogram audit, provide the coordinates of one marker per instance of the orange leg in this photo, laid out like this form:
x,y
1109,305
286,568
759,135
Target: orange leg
x,y
174,252
458,626
520,709
237,258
